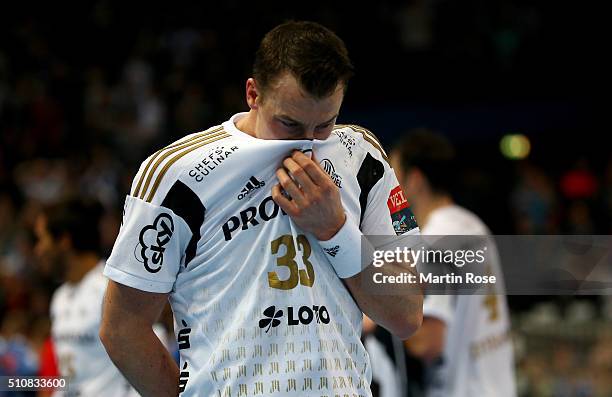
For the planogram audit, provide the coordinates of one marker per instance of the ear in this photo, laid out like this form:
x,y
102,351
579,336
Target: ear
x,y
64,242
251,93
417,179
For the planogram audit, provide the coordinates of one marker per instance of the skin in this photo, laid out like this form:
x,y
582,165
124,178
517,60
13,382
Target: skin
x,y
422,198
428,342
127,334
77,264
286,111
281,111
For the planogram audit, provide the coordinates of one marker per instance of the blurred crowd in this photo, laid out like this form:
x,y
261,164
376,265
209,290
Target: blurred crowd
x,y
82,105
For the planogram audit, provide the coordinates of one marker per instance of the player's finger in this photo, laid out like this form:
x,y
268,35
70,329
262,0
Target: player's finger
x,y
290,187
279,198
299,174
312,167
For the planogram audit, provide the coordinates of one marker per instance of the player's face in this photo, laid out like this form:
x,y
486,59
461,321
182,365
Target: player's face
x,y
44,241
397,167
395,163
45,249
406,178
285,111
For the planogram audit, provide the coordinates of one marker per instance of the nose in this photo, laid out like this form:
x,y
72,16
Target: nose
x,y
309,134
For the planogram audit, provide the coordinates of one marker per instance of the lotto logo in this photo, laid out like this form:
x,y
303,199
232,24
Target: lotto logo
x,y
303,315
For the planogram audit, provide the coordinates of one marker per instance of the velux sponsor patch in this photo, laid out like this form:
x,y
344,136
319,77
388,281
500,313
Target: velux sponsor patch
x,y
401,215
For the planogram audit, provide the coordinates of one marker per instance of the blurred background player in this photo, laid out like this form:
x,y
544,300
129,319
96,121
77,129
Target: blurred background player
x,y
69,235
395,373
465,339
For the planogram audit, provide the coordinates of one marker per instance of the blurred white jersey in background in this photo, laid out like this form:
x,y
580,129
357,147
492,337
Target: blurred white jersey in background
x,y
477,358
76,311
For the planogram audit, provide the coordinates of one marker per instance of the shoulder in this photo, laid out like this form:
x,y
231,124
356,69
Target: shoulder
x,y
473,223
369,160
361,139
455,220
95,281
59,297
160,171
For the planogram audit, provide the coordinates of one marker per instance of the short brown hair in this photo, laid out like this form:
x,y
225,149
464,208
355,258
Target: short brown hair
x,y
433,154
313,54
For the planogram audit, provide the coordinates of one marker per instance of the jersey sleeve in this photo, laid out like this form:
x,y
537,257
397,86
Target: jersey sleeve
x,y
387,211
150,247
439,306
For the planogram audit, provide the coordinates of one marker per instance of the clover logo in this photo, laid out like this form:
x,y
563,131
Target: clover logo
x,y
271,319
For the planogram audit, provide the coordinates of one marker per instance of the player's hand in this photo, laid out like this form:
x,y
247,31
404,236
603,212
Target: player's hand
x,y
314,202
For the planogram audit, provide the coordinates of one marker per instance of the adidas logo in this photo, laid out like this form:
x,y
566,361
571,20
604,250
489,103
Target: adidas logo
x,y
333,251
251,185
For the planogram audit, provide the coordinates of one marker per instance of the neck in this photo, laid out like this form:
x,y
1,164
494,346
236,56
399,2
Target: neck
x,y
428,203
247,123
79,265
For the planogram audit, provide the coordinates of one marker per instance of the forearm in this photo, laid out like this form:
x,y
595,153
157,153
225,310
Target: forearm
x,y
397,307
428,342
315,205
143,360
127,334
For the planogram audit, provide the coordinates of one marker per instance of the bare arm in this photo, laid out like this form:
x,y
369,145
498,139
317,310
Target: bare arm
x,y
315,205
399,308
126,332
428,342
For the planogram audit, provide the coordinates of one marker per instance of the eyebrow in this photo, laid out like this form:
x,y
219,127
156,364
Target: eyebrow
x,y
287,118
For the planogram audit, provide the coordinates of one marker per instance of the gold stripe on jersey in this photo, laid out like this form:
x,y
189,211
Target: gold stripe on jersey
x,y
366,131
154,156
369,133
368,136
168,153
174,159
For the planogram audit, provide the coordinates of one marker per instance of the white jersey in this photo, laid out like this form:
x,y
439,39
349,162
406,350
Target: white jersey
x,y
477,358
388,372
258,308
76,312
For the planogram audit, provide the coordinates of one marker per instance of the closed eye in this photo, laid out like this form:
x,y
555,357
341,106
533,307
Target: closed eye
x,y
289,124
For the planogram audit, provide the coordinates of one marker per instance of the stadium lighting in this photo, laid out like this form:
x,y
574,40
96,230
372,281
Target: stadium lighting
x,y
515,146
